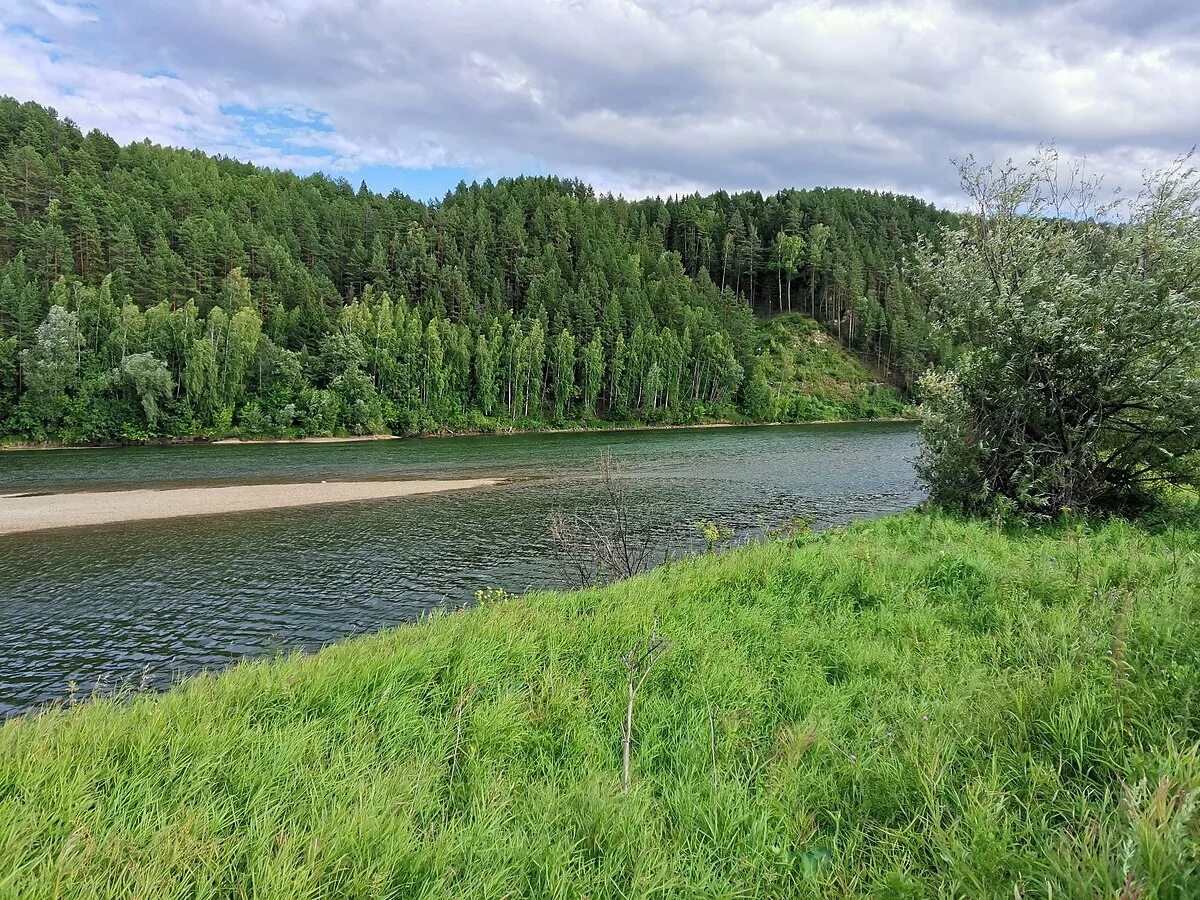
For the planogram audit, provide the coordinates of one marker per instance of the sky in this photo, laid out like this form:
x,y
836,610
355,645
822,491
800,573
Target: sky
x,y
637,97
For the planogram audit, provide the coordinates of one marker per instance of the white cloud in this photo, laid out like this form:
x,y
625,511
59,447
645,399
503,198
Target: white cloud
x,y
127,105
66,13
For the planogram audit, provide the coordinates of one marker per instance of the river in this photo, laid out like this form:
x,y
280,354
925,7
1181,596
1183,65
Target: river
x,y
142,604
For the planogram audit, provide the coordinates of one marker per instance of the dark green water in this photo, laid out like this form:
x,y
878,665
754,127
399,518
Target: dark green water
x,y
145,603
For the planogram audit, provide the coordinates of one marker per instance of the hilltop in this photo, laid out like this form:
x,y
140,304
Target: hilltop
x,y
150,292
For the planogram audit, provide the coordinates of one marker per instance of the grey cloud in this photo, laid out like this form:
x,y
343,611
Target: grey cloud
x,y
1122,19
659,95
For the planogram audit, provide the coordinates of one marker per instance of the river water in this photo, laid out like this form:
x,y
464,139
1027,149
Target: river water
x,y
144,603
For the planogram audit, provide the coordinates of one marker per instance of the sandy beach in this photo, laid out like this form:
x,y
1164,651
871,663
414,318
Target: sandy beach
x,y
40,512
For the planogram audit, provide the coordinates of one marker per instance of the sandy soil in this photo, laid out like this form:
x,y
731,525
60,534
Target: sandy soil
x,y
39,512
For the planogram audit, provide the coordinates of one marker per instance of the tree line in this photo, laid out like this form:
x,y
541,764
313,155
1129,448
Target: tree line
x,y
840,256
152,291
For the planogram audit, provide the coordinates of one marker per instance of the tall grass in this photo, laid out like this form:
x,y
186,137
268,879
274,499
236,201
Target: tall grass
x,y
910,707
813,377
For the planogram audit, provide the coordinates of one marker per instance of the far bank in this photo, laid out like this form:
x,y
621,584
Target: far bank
x,y
598,427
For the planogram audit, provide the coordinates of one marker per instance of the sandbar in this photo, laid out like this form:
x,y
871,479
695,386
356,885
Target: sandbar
x,y
39,512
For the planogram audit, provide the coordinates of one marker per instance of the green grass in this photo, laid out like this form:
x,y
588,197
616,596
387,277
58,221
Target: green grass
x,y
813,377
911,707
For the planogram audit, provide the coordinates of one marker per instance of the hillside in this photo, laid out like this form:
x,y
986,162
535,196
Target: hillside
x,y
910,707
153,292
810,376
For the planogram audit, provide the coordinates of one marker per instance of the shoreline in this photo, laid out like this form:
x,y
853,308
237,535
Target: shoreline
x,y
367,438
24,513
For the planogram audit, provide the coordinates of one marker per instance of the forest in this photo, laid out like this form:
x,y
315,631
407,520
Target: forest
x,y
150,292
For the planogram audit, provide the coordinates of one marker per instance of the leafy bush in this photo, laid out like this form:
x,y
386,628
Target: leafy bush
x,y
251,421
1077,384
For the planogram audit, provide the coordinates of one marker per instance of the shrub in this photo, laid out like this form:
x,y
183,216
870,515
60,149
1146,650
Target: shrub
x,y
1077,385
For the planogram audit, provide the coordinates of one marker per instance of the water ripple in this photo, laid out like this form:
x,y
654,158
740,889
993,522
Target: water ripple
x,y
144,603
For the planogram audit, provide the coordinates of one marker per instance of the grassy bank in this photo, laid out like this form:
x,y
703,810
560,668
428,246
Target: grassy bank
x,y
910,707
811,377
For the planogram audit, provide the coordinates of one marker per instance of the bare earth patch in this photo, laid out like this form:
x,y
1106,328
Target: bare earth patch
x,y
44,511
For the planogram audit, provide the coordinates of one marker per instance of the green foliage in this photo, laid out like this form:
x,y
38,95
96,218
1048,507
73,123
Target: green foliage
x,y
527,300
1076,387
563,369
805,376
150,381
51,364
715,534
915,706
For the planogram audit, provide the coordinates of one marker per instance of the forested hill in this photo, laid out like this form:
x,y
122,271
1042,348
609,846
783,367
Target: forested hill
x,y
149,291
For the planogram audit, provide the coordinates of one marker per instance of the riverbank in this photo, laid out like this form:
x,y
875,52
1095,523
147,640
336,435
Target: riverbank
x,y
42,511
600,428
914,706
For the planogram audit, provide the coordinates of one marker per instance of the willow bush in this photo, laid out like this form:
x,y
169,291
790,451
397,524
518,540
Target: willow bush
x,y
1076,384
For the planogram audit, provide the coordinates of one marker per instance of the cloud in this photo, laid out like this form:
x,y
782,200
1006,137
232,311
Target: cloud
x,y
1120,19
67,14
639,97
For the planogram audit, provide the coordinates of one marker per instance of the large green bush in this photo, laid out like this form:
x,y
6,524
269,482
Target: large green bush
x,y
1076,385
